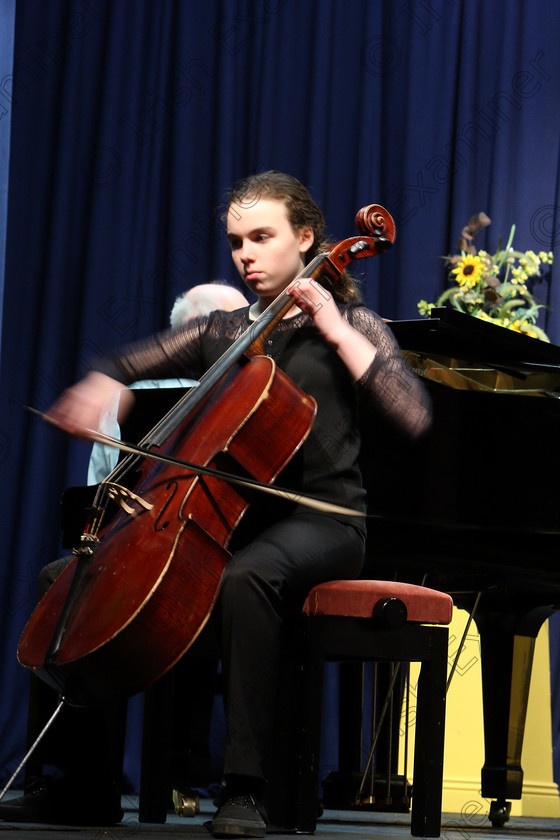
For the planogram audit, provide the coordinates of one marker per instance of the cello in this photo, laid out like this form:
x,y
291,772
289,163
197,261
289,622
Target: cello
x,y
144,580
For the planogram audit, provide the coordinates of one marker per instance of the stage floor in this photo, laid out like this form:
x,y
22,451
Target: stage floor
x,y
333,825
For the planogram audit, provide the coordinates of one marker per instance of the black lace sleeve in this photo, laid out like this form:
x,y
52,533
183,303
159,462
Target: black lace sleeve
x,y
173,353
389,385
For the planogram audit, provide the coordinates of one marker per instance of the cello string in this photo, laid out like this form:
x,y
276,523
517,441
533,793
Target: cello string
x,y
192,398
186,404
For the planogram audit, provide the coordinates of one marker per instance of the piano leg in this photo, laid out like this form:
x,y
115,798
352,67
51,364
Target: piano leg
x,y
507,643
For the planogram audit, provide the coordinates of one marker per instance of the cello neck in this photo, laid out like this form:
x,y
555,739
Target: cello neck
x,y
250,343
377,233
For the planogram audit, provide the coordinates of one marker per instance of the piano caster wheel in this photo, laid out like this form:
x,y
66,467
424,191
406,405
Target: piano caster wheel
x,y
186,804
499,813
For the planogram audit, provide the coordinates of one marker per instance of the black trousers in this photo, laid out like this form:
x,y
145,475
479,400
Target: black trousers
x,y
264,586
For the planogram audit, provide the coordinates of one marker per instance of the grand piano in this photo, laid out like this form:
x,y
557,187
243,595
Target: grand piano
x,y
471,509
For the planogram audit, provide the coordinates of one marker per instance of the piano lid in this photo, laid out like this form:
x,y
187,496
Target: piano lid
x,y
464,352
452,333
489,458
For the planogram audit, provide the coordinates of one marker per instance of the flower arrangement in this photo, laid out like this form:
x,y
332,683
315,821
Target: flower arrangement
x,y
494,288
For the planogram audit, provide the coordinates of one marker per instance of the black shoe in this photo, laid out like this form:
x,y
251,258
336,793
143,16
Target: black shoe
x,y
58,803
239,816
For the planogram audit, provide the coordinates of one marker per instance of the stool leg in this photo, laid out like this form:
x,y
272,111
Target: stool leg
x,y
283,767
311,709
429,741
155,788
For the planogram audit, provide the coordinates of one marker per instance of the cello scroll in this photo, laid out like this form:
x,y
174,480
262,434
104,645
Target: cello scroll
x,y
378,229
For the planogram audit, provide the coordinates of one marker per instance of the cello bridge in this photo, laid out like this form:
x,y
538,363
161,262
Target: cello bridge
x,y
124,497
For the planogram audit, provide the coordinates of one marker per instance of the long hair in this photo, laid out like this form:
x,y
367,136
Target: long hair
x,y
302,212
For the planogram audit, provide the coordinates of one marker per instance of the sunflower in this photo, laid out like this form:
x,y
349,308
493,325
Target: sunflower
x,y
469,270
497,288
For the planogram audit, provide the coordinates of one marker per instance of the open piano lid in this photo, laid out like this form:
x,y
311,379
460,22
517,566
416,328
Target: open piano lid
x,y
451,333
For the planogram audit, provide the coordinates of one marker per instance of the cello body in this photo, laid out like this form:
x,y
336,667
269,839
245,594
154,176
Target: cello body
x,y
154,578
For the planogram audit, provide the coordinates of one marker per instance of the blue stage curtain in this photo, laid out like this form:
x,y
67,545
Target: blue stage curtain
x,y
132,117
7,20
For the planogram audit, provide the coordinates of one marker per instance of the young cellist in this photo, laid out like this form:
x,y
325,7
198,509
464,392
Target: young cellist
x,y
345,357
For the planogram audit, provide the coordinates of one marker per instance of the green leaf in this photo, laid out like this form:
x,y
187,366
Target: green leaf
x,y
540,333
508,246
445,296
516,303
